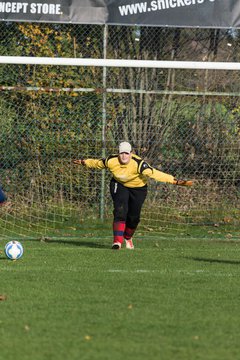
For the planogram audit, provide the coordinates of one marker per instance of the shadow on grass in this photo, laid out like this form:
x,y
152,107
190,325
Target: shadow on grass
x,y
89,244
220,261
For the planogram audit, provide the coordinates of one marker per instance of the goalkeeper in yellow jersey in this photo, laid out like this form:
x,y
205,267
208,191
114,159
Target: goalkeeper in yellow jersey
x,y
128,189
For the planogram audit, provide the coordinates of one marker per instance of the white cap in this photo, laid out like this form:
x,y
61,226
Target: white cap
x,y
125,147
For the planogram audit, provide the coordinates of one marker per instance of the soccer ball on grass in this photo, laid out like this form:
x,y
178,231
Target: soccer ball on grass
x,y
14,250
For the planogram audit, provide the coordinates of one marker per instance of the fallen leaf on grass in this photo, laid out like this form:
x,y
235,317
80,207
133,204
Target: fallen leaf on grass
x,y
87,337
45,239
227,220
196,337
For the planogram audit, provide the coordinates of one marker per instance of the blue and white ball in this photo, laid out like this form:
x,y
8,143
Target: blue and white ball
x,y
14,250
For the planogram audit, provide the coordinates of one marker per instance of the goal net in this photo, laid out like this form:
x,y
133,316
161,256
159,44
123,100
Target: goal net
x,y
182,121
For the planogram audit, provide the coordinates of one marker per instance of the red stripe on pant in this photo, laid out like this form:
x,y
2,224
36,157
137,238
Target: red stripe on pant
x,y
118,231
128,233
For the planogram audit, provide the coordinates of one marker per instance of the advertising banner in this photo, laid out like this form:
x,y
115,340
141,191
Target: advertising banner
x,y
174,13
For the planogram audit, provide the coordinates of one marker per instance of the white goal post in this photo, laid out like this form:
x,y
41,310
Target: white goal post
x,y
202,65
183,122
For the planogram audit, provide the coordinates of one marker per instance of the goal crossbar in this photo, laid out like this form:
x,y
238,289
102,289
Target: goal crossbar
x,y
201,65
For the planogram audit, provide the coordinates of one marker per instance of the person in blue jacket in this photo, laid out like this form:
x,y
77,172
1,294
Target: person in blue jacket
x,y
3,196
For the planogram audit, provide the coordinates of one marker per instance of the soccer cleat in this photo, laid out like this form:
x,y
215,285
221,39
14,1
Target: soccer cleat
x,y
116,246
129,244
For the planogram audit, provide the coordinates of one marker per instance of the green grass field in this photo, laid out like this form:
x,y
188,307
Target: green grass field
x,y
173,297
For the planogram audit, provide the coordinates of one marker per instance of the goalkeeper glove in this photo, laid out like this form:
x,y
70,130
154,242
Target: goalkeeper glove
x,y
79,162
183,182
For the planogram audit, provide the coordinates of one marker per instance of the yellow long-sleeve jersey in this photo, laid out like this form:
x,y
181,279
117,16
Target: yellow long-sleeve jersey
x,y
133,175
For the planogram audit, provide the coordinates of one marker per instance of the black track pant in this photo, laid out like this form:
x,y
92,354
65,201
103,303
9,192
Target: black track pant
x,y
127,203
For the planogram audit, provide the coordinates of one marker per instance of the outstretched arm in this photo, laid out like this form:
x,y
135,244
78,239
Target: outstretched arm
x,y
163,177
91,163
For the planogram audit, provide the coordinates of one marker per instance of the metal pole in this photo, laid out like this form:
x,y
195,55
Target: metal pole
x,y
104,101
